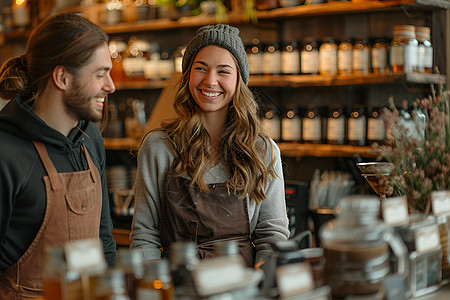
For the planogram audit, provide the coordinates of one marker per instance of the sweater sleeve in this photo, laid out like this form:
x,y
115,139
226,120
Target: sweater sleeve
x,y
270,215
154,160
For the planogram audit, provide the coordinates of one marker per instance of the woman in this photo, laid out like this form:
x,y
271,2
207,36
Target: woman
x,y
211,174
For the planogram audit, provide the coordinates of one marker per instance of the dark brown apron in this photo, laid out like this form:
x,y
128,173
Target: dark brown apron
x,y
72,213
190,215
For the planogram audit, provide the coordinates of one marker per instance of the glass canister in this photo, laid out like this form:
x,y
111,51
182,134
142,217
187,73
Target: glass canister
x,y
345,57
356,248
328,57
309,57
255,57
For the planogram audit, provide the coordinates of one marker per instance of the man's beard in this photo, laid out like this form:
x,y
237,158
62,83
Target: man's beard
x,y
79,106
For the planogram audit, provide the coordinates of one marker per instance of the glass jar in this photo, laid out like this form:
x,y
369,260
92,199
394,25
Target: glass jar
x,y
290,58
357,249
345,57
425,50
157,282
54,269
403,50
312,125
131,262
336,126
380,56
135,58
272,123
271,59
361,57
309,57
111,286
291,126
255,57
357,126
166,65
328,57
116,49
183,260
376,128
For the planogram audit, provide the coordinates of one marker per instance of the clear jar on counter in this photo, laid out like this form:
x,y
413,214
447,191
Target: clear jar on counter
x,y
111,286
380,56
361,57
336,126
290,58
157,281
357,126
291,125
403,50
345,57
328,57
272,59
255,57
312,125
425,50
309,57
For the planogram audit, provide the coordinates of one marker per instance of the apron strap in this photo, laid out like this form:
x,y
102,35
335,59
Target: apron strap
x,y
48,165
90,163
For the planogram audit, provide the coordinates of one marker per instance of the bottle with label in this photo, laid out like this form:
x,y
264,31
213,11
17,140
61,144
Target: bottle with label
x,y
328,57
361,57
403,50
255,57
357,126
183,261
131,262
309,57
166,65
312,125
376,128
380,56
290,58
157,282
111,286
345,57
272,59
425,50
54,269
291,126
272,123
336,126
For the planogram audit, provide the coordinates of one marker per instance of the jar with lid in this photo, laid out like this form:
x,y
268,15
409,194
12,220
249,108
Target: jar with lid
x,y
131,262
166,65
357,249
111,286
380,56
345,57
425,50
336,126
328,57
376,128
312,125
403,50
255,57
53,273
116,49
271,59
290,58
157,281
309,57
361,57
226,248
135,57
113,12
357,126
183,260
272,123
291,126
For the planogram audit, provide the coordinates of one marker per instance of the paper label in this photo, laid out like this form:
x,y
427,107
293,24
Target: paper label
x,y
440,202
427,239
395,211
294,279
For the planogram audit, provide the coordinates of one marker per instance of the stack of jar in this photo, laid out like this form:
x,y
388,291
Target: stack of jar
x,y
330,125
410,51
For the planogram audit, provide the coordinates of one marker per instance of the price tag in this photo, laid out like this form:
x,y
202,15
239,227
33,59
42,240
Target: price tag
x,y
294,279
440,202
84,255
218,275
427,239
395,211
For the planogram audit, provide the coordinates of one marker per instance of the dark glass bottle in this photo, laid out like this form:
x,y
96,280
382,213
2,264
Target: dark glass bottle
x,y
290,58
312,125
357,126
336,126
309,57
376,128
255,57
291,126
272,59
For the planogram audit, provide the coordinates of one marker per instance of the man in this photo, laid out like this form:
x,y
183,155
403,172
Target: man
x,y
52,157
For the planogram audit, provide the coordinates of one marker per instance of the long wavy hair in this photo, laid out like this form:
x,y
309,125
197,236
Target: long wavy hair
x,y
242,148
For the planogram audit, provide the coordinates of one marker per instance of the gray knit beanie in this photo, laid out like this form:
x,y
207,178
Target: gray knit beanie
x,y
222,35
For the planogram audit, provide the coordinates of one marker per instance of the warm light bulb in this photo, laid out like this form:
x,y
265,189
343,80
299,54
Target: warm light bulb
x,y
20,2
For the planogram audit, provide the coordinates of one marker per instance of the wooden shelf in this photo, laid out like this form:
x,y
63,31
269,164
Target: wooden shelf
x,y
120,143
141,85
324,150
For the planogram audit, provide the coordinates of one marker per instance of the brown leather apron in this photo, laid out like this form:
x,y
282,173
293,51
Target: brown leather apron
x,y
72,213
190,215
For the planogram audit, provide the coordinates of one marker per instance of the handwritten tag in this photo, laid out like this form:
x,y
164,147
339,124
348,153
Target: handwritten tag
x,y
427,239
294,279
395,211
440,202
84,255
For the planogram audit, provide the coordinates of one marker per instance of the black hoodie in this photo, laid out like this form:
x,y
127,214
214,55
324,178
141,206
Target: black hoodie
x,y
22,191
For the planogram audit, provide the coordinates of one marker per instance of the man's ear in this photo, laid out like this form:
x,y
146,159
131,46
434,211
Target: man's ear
x,y
61,78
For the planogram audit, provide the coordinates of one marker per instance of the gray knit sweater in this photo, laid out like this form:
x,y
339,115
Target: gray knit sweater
x,y
268,220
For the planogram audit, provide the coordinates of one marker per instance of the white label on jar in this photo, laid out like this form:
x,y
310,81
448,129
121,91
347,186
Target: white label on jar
x,y
396,55
361,60
428,239
357,129
428,57
379,58
376,129
421,58
440,202
146,294
336,129
312,129
328,61
290,62
291,129
255,62
411,57
271,62
345,61
272,128
395,211
294,279
133,66
310,62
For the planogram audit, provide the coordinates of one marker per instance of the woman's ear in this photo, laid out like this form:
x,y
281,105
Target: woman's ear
x,y
61,78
